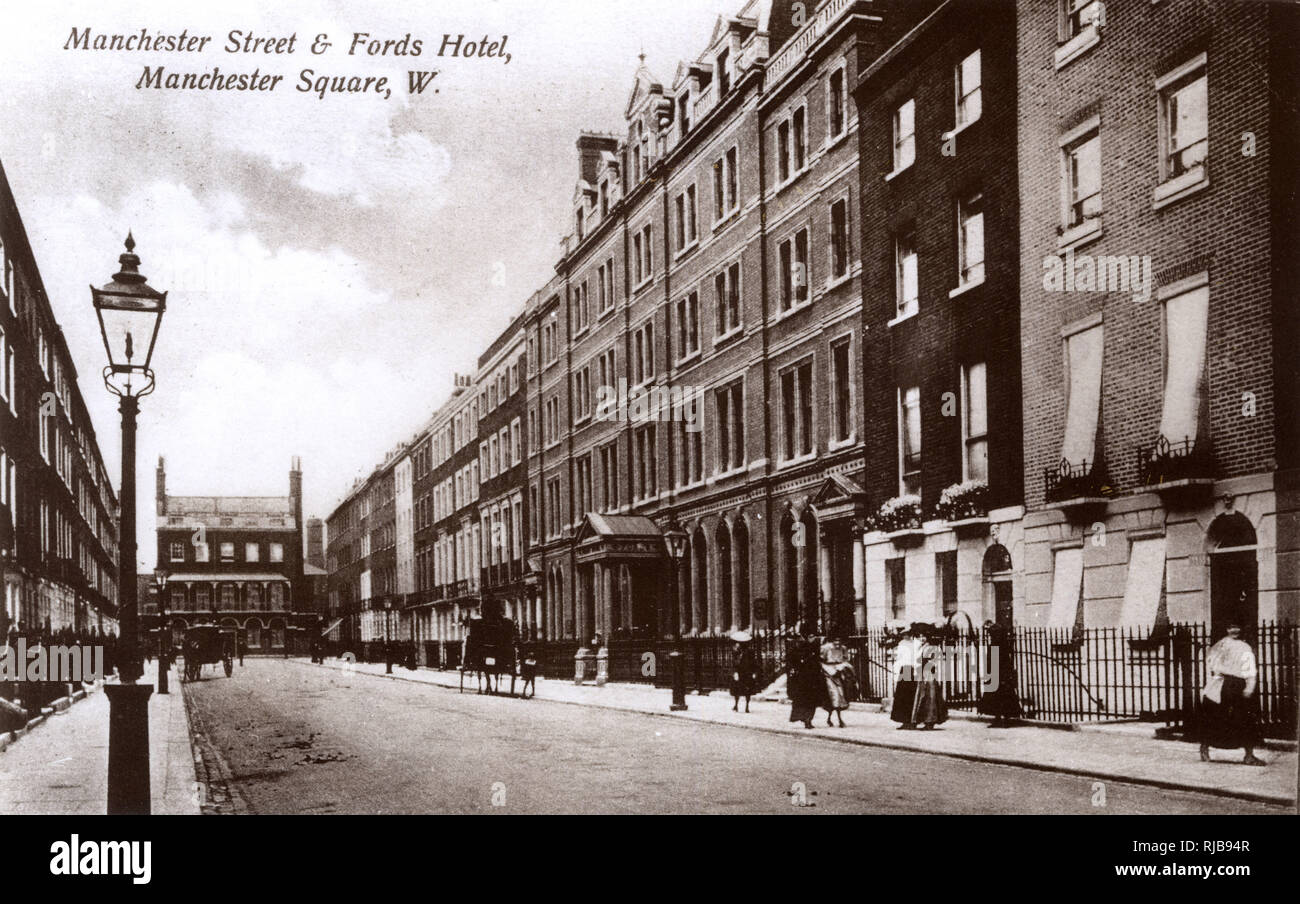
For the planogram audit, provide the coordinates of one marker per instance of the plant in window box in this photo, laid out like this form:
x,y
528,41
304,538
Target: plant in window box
x,y
965,501
900,517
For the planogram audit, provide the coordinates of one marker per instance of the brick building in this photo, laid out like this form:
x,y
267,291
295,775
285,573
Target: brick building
x,y
58,508
235,560
940,254
1160,420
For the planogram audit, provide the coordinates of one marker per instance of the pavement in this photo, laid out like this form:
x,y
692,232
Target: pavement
x,y
1121,752
59,766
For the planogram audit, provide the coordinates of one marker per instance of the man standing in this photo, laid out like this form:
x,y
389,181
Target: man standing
x,y
1228,699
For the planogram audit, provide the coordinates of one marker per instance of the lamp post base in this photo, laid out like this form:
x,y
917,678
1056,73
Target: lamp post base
x,y
679,681
128,749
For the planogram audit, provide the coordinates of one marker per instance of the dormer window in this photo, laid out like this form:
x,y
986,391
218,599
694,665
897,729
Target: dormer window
x,y
724,75
684,112
604,198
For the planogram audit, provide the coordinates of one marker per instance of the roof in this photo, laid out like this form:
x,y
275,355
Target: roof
x,y
229,505
226,576
623,525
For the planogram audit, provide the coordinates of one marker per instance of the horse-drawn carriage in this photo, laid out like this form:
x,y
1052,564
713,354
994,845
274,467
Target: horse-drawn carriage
x,y
490,648
208,645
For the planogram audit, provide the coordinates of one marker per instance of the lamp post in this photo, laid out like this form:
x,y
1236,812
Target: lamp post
x,y
388,649
164,634
675,540
129,312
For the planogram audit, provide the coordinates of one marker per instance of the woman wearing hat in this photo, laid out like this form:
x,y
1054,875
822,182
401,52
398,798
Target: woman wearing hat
x,y
1227,718
806,685
744,669
930,708
839,678
906,663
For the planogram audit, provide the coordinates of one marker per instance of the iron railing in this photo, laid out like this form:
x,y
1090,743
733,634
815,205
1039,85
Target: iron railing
x,y
1166,462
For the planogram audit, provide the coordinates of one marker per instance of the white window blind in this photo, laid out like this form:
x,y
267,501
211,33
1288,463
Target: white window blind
x,y
1084,355
1067,585
1146,575
1185,327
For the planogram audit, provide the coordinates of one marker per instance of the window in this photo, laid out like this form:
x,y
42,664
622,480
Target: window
x,y
581,395
228,596
726,286
608,375
251,552
646,462
642,254
581,314
975,422
688,325
582,492
945,572
904,135
794,270
842,387
896,576
797,412
604,198
783,150
201,552
800,137
839,238
277,597
835,104
906,288
643,353
724,74
1078,16
690,450
178,552
202,598
1083,353
227,552
609,477
6,371
516,444
1185,334
553,522
970,239
686,218
792,145
1083,179
254,594
1184,125
909,441
730,404
534,513
725,185
970,95
684,113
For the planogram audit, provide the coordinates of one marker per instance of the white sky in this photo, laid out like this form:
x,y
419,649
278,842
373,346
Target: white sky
x,y
330,263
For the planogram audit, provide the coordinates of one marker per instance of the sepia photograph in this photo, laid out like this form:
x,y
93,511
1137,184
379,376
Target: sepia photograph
x,y
706,407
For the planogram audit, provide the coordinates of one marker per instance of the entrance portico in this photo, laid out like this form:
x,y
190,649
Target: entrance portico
x,y
621,571
840,507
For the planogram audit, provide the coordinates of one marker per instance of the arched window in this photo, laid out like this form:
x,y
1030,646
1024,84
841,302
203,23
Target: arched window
x,y
700,562
724,576
811,600
740,550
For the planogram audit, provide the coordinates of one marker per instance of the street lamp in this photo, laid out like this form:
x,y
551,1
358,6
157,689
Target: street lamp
x,y
388,650
164,633
675,540
129,312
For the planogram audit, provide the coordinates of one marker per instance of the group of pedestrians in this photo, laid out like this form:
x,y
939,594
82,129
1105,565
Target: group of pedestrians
x,y
819,677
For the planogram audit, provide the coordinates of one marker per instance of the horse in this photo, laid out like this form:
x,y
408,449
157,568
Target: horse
x,y
490,653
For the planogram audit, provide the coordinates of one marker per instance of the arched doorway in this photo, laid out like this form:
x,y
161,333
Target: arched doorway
x,y
811,615
1234,575
685,598
740,547
724,577
789,573
253,633
997,573
700,580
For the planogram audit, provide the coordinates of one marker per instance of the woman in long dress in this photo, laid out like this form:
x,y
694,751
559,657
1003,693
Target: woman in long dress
x,y
1001,700
744,673
930,708
839,675
806,685
1228,717
905,675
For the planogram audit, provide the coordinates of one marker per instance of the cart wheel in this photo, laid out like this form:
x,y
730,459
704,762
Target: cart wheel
x,y
230,666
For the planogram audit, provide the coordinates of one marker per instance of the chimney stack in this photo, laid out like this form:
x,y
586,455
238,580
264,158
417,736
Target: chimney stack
x,y
160,487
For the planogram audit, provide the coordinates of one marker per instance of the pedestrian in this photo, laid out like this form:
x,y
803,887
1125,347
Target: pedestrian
x,y
528,669
1000,700
805,685
241,646
930,708
744,669
1227,718
840,680
906,662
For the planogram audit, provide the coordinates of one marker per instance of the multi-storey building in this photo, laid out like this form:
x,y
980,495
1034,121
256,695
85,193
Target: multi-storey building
x,y
940,256
58,509
1158,312
501,468
235,560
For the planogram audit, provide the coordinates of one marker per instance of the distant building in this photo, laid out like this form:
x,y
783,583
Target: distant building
x,y
236,561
